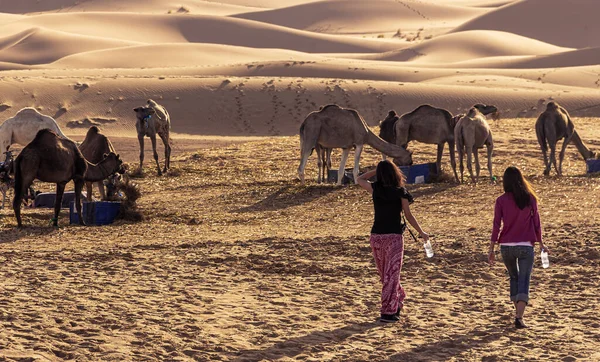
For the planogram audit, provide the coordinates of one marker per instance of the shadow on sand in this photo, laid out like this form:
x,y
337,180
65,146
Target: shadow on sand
x,y
288,196
295,346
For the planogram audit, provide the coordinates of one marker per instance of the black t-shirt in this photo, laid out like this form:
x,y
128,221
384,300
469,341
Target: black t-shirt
x,y
387,202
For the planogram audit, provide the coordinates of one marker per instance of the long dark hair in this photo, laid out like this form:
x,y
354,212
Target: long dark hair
x,y
389,175
515,183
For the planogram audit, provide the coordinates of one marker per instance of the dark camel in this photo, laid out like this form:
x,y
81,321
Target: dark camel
x,y
94,147
153,119
50,158
553,125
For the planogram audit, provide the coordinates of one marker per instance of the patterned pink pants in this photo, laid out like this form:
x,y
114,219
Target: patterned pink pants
x,y
388,250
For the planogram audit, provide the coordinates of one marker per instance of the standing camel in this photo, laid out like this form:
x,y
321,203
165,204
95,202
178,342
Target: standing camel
x,y
471,133
93,148
23,126
154,119
426,124
336,127
551,126
50,158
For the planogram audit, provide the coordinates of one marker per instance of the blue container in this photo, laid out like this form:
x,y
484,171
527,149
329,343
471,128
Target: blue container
x,y
418,174
95,213
592,165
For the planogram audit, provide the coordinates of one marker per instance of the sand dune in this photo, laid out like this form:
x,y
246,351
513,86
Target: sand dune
x,y
41,46
162,56
155,29
360,17
467,45
571,23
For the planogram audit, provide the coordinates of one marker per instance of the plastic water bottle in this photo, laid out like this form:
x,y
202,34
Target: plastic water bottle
x,y
545,260
428,249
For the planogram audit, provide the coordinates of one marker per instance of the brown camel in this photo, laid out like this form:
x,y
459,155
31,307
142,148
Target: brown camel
x,y
50,158
154,119
94,147
471,133
551,126
336,127
426,124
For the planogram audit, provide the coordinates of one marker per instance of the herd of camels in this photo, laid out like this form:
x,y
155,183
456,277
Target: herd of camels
x,y
335,127
50,156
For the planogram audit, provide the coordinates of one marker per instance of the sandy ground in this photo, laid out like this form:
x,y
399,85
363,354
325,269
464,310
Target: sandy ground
x,y
235,260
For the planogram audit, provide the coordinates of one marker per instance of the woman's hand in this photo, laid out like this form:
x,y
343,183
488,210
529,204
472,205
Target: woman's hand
x,y
491,257
544,247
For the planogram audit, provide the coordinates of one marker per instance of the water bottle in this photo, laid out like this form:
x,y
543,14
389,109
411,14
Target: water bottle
x,y
545,260
428,249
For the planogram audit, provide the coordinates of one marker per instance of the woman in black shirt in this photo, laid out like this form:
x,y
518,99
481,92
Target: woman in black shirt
x,y
390,199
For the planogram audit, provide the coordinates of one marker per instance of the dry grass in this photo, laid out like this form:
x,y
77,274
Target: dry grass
x,y
236,260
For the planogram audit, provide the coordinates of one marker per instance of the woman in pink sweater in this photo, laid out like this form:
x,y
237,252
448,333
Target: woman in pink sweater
x,y
516,210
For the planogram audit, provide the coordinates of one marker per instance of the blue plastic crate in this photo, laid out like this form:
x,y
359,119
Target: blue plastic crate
x,y
95,213
418,174
592,165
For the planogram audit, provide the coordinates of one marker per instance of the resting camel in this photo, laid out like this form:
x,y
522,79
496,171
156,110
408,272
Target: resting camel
x,y
426,124
551,126
93,148
50,158
336,127
154,119
471,133
23,126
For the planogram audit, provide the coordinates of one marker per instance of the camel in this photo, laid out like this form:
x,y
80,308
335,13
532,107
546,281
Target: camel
x,y
50,158
471,133
154,119
336,127
23,126
93,148
426,124
551,126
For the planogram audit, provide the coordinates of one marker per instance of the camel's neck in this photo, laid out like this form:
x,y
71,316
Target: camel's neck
x,y
581,147
99,171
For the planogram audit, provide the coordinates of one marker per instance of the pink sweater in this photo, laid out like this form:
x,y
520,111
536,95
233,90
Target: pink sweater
x,y
517,225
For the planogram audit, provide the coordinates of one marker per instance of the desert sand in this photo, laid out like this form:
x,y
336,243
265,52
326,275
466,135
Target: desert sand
x,y
235,259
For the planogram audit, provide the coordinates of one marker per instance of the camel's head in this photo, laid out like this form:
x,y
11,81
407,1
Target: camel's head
x,y
119,167
551,106
404,160
485,109
144,112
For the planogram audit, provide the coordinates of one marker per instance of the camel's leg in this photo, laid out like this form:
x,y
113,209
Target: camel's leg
x,y
345,153
141,141
78,188
165,140
547,163
88,191
438,162
490,147
3,196
553,157
60,190
461,165
328,163
19,195
470,163
153,140
451,147
477,166
320,159
101,190
357,153
561,157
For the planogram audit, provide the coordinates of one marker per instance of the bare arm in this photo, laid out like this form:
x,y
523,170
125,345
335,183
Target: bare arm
x,y
362,180
411,219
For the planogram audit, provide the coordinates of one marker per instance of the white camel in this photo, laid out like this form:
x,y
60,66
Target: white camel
x,y
23,126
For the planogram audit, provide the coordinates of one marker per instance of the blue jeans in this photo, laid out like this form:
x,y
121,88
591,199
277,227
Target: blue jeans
x,y
519,263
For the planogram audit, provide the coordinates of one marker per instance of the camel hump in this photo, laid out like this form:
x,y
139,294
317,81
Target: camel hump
x,y
28,111
473,112
44,133
552,106
152,103
329,106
